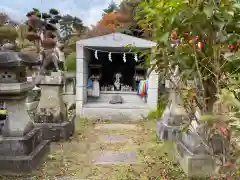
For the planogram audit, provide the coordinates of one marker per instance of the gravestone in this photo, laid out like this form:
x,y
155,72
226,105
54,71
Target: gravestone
x,y
22,145
174,115
51,115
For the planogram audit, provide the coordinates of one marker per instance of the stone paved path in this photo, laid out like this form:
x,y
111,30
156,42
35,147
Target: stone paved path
x,y
102,151
115,157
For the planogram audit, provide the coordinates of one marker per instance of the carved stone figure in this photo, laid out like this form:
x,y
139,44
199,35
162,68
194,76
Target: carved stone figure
x,y
117,83
45,35
117,99
49,61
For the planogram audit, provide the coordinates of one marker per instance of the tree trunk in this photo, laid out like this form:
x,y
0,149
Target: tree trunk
x,y
210,94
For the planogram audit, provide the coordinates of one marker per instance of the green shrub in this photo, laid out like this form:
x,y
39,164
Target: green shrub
x,y
70,63
8,33
156,114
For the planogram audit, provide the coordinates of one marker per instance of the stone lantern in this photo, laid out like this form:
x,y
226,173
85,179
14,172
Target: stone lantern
x,y
174,115
22,145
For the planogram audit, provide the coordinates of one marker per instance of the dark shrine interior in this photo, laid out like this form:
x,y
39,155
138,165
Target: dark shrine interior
x,y
108,69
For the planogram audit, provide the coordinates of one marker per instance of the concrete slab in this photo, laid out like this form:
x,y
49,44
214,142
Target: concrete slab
x,y
116,138
113,157
67,178
116,127
56,178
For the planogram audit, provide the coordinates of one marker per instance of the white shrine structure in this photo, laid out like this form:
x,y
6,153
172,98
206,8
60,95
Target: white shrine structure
x,y
133,107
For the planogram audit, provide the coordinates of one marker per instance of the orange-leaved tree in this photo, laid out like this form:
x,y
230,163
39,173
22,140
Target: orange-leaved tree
x,y
110,22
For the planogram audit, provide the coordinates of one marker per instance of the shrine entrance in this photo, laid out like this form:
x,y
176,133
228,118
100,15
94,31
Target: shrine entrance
x,y
105,62
108,63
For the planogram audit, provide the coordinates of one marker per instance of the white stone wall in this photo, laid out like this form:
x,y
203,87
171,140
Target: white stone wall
x,y
153,90
81,78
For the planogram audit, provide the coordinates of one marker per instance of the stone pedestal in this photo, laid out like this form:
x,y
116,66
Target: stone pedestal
x,y
166,132
51,115
194,165
22,146
169,127
192,152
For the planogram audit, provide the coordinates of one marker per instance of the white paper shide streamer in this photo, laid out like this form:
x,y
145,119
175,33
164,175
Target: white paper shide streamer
x,y
110,57
136,57
96,54
124,58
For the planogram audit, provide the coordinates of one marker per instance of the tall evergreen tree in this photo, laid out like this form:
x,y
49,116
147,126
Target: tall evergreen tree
x,y
112,7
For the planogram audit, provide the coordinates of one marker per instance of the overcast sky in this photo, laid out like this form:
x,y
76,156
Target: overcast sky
x,y
89,11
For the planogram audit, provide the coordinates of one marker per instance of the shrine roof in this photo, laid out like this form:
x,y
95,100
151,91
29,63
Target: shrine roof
x,y
116,40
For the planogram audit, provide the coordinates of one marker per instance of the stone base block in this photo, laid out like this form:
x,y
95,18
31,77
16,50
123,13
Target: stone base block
x,y
194,165
18,146
165,132
114,112
57,131
24,163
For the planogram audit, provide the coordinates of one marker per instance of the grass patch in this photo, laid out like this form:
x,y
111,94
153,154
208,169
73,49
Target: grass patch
x,y
73,158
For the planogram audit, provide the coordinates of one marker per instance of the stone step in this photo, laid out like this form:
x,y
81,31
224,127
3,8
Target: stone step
x,y
114,157
115,112
115,139
116,127
128,97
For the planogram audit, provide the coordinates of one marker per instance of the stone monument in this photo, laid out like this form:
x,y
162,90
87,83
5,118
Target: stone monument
x,y
195,150
22,145
52,113
192,153
174,115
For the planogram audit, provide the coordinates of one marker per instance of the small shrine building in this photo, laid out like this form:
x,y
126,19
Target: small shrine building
x,y
107,55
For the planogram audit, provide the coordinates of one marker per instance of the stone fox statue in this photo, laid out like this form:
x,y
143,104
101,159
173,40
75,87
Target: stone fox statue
x,y
49,61
51,58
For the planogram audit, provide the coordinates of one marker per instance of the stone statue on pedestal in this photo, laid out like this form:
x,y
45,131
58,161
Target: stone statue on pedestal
x,y
117,83
174,115
45,35
117,99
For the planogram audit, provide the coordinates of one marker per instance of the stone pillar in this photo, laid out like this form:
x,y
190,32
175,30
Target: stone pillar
x,y
51,101
52,116
152,97
81,79
69,89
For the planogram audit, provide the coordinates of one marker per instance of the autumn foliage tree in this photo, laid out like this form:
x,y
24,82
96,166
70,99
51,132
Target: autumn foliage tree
x,y
120,20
